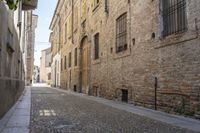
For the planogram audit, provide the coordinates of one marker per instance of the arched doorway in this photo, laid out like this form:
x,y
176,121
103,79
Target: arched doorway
x,y
85,65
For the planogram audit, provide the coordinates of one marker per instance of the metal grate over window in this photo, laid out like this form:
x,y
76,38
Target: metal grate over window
x,y
96,46
75,57
174,16
65,62
61,64
70,59
121,33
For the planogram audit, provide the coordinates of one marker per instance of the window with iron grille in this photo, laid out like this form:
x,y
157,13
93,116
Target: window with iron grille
x,y
174,16
75,57
96,46
121,33
65,62
70,59
61,64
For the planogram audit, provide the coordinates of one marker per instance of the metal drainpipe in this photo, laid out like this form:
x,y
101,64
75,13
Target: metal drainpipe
x,y
156,86
72,21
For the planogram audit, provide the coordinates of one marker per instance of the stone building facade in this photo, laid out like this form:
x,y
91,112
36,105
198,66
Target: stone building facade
x,y
142,52
12,54
55,40
45,66
36,74
31,25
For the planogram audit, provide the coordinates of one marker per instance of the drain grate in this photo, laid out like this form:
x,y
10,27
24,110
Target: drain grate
x,y
60,124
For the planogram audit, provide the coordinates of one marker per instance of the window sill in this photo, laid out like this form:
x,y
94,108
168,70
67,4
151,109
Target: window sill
x,y
96,61
122,54
176,39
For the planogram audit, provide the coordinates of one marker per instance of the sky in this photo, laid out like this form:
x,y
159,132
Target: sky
x,y
45,11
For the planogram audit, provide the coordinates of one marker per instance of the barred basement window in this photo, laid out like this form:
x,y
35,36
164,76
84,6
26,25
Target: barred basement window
x,y
75,57
121,33
174,16
70,59
96,46
65,62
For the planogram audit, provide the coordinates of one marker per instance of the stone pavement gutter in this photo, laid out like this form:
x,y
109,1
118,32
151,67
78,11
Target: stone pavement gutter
x,y
175,120
17,119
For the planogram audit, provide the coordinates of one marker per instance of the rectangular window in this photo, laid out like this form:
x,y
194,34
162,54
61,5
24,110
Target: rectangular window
x,y
174,16
96,46
61,64
75,57
70,59
121,33
66,32
65,62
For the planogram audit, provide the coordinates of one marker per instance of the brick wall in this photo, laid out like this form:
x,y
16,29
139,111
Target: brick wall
x,y
173,61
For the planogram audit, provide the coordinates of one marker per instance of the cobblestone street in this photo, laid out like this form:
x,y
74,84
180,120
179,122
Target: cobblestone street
x,y
53,111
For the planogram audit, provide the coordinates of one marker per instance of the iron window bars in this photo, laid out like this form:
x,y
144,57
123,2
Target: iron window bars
x,y
174,16
121,33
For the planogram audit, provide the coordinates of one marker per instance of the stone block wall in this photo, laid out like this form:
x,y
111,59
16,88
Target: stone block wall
x,y
10,91
11,63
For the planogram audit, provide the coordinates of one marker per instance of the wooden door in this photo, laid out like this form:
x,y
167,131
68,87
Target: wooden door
x,y
85,66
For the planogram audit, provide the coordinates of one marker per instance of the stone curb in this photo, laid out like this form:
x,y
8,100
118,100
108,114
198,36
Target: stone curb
x,y
12,120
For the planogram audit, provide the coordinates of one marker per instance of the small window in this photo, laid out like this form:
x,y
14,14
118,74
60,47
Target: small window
x,y
121,33
70,59
65,62
173,16
96,46
49,76
61,64
75,57
124,95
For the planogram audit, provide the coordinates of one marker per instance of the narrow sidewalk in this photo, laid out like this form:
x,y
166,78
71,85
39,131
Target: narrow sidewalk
x,y
175,120
17,119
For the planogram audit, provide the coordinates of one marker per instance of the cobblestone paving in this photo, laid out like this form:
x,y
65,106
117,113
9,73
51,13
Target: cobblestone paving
x,y
56,112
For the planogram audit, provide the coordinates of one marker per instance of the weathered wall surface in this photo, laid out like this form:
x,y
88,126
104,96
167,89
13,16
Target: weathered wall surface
x,y
11,64
10,91
173,62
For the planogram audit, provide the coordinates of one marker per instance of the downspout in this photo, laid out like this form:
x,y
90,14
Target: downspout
x,y
72,21
156,86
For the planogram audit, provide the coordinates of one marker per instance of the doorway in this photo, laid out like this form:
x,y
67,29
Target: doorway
x,y
85,65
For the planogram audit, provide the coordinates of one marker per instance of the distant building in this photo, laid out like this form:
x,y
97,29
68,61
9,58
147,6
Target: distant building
x,y
29,45
45,66
36,74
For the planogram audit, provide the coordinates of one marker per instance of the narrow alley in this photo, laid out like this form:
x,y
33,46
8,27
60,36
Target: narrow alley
x,y
100,66
57,111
